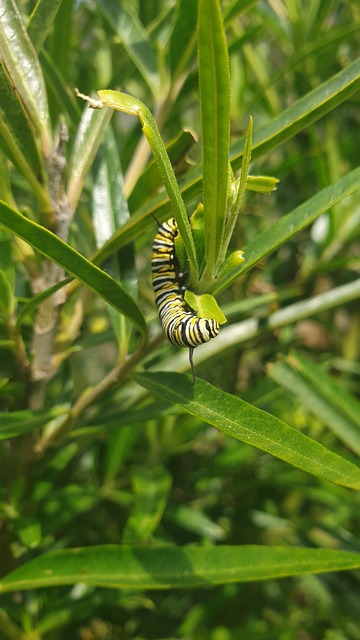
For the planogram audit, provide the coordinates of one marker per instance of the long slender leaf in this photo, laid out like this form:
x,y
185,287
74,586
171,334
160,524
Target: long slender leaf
x,y
17,138
15,423
20,137
34,303
214,76
90,133
183,38
41,21
128,104
319,393
23,67
139,567
77,265
253,426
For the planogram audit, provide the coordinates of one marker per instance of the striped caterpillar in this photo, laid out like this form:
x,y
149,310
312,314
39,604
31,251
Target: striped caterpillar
x,y
181,325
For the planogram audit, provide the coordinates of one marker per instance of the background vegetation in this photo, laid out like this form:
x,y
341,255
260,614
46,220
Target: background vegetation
x,y
99,450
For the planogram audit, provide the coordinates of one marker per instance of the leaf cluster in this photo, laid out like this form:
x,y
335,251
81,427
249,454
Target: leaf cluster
x,y
133,503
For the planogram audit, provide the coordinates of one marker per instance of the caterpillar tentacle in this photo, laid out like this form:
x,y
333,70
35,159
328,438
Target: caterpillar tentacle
x,y
181,326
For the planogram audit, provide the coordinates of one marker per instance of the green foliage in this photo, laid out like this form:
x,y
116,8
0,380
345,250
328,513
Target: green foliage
x,y
120,480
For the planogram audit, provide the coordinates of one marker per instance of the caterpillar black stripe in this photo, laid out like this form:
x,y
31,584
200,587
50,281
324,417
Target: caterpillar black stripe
x,y
181,325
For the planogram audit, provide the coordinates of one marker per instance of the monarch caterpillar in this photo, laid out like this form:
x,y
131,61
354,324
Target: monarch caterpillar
x,y
181,325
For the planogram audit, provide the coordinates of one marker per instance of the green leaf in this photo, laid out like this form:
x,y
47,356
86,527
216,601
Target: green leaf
x,y
149,181
125,22
285,228
317,391
90,133
214,78
17,137
34,303
151,488
245,422
62,93
183,38
128,104
19,128
15,423
7,301
205,306
109,212
72,261
22,64
127,567
41,21
331,389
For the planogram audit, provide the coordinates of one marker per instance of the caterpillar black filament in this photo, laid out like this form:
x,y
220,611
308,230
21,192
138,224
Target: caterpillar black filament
x,y
181,325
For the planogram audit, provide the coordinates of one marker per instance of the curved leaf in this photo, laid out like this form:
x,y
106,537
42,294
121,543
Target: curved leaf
x,y
137,567
128,104
72,261
251,425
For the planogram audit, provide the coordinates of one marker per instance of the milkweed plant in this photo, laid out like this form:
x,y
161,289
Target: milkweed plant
x,y
92,439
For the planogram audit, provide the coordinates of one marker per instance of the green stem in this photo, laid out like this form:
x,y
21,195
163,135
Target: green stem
x,y
132,106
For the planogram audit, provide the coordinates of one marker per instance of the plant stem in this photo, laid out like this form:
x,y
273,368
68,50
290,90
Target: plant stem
x,y
89,396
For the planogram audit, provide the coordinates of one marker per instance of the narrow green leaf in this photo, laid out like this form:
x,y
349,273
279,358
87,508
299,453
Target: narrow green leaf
x,y
7,301
22,64
41,21
151,488
332,391
253,426
90,133
15,423
62,93
292,223
33,304
17,134
149,181
183,37
128,104
124,20
109,212
70,260
236,8
313,387
168,567
214,78
17,139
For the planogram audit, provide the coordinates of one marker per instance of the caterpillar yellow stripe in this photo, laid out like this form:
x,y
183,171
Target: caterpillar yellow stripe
x,y
181,325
